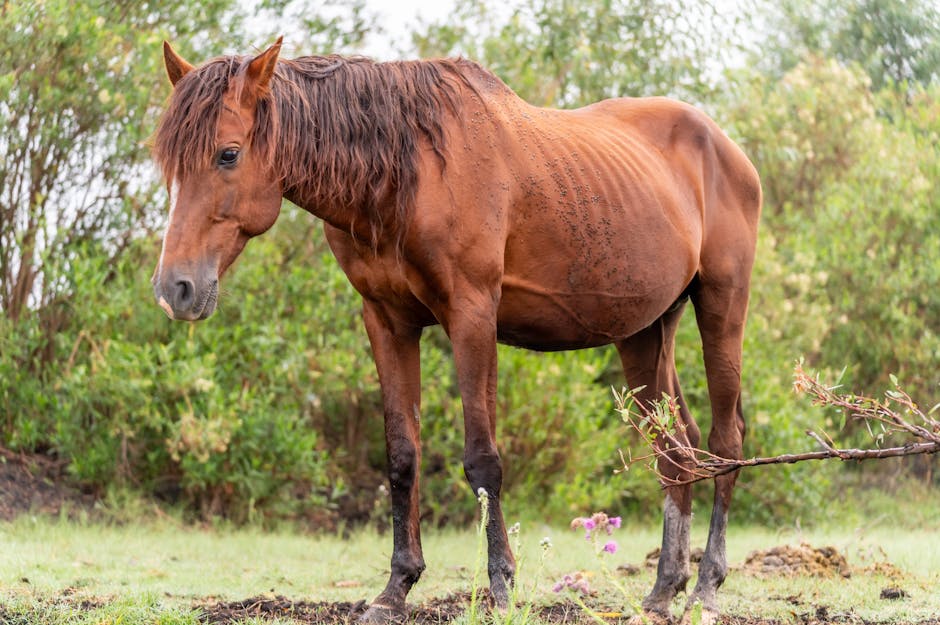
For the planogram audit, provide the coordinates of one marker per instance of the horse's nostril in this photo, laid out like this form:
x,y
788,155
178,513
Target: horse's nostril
x,y
185,291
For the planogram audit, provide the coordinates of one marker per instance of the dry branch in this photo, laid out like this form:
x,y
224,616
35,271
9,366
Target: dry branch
x,y
659,424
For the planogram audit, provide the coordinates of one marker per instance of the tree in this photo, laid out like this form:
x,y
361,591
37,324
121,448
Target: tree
x,y
78,98
81,85
897,42
565,53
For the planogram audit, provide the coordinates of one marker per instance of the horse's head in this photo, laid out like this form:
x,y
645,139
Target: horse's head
x,y
222,186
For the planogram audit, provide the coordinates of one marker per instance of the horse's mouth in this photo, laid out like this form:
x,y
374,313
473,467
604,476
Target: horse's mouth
x,y
201,309
209,302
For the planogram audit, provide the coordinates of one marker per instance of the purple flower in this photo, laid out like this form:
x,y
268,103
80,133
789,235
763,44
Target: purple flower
x,y
615,521
611,546
589,524
558,587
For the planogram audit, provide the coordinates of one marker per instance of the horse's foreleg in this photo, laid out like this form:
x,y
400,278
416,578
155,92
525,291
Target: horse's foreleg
x,y
395,347
720,312
649,361
474,341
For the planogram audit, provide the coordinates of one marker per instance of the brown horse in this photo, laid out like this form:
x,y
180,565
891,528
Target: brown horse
x,y
448,200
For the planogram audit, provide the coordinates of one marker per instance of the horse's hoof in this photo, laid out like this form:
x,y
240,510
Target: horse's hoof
x,y
500,583
650,618
379,614
499,598
708,617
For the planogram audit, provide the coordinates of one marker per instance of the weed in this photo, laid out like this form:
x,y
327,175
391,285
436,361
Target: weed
x,y
597,531
519,609
484,501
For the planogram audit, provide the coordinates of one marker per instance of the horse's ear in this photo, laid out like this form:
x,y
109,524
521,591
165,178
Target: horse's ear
x,y
176,66
261,68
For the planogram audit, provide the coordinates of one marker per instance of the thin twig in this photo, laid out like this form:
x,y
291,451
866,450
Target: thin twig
x,y
660,425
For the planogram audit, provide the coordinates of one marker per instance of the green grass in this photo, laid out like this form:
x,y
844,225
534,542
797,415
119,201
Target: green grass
x,y
153,572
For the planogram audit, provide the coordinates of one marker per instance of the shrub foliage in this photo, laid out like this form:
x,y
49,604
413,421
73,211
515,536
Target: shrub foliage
x,y
272,408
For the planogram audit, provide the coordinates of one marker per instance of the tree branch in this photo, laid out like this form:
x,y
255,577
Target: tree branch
x,y
659,425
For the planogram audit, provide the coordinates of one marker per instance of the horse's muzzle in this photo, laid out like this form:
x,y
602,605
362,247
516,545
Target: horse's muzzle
x,y
186,298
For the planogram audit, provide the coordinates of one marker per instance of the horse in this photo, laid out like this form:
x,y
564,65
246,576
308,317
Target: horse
x,y
446,199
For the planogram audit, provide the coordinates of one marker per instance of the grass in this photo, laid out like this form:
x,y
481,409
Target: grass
x,y
153,572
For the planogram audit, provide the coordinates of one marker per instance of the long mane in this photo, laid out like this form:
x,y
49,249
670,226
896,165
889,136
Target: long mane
x,y
336,131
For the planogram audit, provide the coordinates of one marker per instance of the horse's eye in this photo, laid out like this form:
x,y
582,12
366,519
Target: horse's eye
x,y
228,157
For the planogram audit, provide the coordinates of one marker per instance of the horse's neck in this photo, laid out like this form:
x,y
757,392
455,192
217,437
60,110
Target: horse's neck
x,y
341,218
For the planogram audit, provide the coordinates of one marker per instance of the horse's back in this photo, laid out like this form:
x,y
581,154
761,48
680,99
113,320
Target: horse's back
x,y
608,211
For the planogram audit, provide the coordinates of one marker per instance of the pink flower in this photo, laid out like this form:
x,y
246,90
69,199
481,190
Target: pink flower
x,y
611,546
615,521
589,524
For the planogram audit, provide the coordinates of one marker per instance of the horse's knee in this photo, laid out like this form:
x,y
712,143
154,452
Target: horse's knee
x,y
484,469
402,464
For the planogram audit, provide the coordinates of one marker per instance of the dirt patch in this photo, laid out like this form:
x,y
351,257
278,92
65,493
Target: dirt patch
x,y
433,612
323,612
280,607
450,608
266,608
36,484
800,559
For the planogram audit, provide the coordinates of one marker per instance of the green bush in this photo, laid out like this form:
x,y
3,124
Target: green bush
x,y
272,409
848,255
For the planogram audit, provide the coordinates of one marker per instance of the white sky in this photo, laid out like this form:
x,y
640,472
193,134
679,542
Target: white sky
x,y
399,18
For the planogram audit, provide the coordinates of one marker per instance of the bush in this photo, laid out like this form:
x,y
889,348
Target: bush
x,y
272,408
847,259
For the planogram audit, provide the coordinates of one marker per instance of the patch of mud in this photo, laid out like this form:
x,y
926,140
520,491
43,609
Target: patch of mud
x,y
432,612
449,609
265,607
36,484
270,608
802,559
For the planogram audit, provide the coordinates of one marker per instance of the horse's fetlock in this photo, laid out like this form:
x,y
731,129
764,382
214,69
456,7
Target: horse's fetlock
x,y
506,570
408,567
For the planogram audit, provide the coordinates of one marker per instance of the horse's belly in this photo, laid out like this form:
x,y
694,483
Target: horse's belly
x,y
543,318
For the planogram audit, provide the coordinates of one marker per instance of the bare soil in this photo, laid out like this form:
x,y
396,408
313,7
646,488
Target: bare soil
x,y
800,559
447,609
36,484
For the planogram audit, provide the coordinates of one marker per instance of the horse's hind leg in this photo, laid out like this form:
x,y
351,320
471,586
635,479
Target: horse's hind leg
x,y
720,310
649,361
395,347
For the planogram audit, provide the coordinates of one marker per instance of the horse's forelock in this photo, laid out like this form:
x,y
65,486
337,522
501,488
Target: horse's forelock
x,y
185,137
